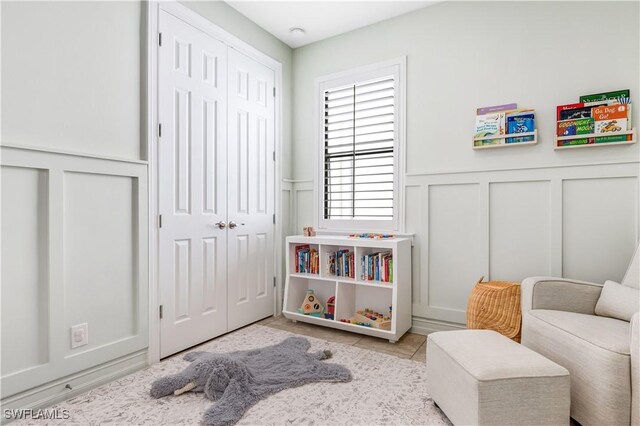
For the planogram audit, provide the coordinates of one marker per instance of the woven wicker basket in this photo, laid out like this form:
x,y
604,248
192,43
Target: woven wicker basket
x,y
495,305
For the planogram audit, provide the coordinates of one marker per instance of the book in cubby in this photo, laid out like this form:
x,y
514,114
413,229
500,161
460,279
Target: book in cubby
x,y
307,259
377,267
340,262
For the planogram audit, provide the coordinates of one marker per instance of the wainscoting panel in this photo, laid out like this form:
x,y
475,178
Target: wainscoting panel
x,y
455,241
286,226
575,221
99,260
608,204
24,269
77,228
519,229
303,206
416,202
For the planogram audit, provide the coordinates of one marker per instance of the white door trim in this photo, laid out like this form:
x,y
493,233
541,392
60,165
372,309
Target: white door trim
x,y
208,27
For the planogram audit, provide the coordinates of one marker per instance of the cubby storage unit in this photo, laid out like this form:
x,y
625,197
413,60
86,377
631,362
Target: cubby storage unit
x,y
352,293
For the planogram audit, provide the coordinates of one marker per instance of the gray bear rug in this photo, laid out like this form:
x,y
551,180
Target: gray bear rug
x,y
236,381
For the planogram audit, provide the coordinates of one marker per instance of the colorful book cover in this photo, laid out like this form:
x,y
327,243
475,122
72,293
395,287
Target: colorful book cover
x,y
606,96
497,108
520,123
610,119
580,126
490,125
617,96
566,107
576,106
575,113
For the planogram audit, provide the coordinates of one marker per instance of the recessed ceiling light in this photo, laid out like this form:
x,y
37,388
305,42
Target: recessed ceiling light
x,y
297,32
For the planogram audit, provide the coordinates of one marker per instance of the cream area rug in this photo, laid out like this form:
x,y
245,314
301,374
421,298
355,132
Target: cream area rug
x,y
385,391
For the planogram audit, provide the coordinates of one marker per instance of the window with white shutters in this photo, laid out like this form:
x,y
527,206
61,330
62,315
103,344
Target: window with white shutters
x,y
359,151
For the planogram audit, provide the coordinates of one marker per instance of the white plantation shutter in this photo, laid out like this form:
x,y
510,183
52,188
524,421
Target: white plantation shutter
x,y
359,150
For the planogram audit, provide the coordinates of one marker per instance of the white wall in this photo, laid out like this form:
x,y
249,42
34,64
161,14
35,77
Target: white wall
x,y
71,76
505,213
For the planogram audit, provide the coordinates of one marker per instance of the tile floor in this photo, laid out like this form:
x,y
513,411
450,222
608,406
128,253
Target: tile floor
x,y
410,346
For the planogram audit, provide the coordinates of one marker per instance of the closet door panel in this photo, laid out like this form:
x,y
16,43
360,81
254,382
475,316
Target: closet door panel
x,y
192,189
251,190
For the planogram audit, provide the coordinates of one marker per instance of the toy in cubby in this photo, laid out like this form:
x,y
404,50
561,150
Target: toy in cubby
x,y
311,305
331,307
369,318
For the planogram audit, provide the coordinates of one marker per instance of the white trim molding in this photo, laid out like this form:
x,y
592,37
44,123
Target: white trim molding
x,y
62,174
396,67
573,221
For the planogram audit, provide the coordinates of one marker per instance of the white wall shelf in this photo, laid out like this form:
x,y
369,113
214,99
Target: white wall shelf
x,y
352,294
505,137
631,132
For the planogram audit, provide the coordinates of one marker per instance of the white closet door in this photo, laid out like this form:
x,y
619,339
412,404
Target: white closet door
x,y
192,189
251,190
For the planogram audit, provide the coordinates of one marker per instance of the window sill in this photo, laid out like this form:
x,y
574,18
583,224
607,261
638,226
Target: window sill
x,y
326,232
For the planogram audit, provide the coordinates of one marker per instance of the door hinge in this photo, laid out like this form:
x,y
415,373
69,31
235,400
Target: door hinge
x,y
161,311
159,39
274,218
274,92
159,130
274,281
159,221
274,156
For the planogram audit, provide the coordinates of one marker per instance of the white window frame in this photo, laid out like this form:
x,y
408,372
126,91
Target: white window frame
x,y
397,68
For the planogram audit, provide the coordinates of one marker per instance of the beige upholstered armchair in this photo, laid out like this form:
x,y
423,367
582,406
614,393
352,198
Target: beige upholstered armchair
x,y
593,330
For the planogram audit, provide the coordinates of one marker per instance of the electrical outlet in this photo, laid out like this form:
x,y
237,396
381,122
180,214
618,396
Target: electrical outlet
x,y
79,335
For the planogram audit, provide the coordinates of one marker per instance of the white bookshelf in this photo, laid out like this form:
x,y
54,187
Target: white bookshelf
x,y
352,294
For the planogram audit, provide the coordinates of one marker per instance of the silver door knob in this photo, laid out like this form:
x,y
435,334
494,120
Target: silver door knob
x,y
232,225
220,224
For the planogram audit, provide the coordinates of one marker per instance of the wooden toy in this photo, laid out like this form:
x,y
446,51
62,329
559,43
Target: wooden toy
x,y
311,305
330,308
372,236
369,318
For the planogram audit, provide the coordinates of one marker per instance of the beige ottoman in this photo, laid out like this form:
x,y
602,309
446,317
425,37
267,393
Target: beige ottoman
x,y
480,377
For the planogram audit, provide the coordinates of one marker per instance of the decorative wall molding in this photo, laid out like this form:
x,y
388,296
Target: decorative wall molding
x,y
426,327
91,243
508,169
55,391
70,153
578,220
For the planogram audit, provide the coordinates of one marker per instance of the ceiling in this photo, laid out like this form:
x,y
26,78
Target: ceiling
x,y
320,19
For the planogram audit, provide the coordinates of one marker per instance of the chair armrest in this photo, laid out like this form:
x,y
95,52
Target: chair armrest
x,y
635,368
559,294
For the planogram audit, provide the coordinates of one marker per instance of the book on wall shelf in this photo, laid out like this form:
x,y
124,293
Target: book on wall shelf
x,y
496,126
578,126
607,113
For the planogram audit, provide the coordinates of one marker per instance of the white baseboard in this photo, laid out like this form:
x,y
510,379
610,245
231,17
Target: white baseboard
x,y
425,326
55,391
